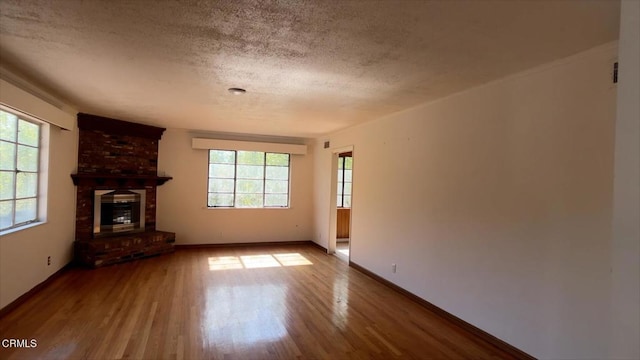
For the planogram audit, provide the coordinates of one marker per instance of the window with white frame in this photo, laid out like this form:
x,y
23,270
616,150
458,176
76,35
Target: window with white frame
x,y
248,179
345,166
19,170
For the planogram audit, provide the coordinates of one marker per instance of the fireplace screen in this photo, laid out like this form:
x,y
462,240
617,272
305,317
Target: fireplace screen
x,y
117,211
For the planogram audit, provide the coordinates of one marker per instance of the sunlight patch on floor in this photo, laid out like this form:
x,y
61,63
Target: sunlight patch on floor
x,y
256,261
259,261
224,263
293,259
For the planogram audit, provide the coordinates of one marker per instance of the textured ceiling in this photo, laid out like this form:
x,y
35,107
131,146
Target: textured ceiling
x,y
309,67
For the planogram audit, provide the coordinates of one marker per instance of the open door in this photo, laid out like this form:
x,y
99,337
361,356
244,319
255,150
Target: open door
x,y
343,204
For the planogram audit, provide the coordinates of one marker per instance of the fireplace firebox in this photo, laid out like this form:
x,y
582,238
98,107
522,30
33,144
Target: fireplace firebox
x,y
118,211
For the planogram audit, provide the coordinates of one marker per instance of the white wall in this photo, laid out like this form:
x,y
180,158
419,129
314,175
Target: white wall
x,y
182,202
625,326
23,254
322,170
495,204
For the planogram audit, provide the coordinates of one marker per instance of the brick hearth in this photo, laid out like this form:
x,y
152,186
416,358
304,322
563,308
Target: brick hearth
x,y
107,251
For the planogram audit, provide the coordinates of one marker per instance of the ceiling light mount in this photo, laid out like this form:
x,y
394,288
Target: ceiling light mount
x,y
236,91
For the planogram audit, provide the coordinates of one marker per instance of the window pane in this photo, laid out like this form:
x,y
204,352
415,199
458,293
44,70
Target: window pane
x,y
249,186
277,173
244,174
348,163
222,156
8,124
276,186
7,153
27,158
6,185
275,200
25,210
18,170
347,201
339,201
250,172
28,133
6,217
27,185
340,188
250,157
347,175
221,171
347,188
340,175
221,185
220,199
249,200
278,159
340,163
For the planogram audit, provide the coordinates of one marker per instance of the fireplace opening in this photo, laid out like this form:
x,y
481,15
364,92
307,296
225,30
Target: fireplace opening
x,y
118,211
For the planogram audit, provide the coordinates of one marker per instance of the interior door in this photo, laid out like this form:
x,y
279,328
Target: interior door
x,y
345,166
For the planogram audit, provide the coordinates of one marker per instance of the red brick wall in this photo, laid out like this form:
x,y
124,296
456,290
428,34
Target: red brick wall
x,y
100,152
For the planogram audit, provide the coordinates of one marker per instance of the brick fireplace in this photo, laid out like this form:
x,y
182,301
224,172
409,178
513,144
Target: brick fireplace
x,y
119,156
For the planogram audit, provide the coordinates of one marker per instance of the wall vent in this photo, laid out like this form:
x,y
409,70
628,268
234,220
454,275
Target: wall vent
x,y
327,144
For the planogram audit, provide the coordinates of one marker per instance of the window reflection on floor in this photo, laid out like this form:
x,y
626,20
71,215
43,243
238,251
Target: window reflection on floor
x,y
245,315
342,248
257,261
340,313
258,311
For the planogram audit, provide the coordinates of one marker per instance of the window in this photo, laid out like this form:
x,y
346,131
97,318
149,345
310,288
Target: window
x,y
248,179
345,164
19,165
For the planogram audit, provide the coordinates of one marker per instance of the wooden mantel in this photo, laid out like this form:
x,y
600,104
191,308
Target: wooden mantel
x,y
120,179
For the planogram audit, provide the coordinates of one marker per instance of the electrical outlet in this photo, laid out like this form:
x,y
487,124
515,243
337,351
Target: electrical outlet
x,y
48,260
393,268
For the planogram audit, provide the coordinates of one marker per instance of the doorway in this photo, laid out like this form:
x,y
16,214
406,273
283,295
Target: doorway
x,y
343,204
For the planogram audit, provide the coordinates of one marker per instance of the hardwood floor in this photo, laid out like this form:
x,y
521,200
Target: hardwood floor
x,y
282,302
342,250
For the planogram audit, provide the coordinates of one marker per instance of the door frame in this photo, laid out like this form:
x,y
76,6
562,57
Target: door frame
x,y
333,203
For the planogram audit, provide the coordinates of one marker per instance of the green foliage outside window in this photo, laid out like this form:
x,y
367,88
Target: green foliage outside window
x,y
345,169
248,179
19,155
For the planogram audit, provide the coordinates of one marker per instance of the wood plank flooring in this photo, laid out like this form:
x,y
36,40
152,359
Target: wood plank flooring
x,y
276,302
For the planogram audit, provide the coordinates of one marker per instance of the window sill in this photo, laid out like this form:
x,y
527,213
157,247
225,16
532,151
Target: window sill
x,y
20,228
